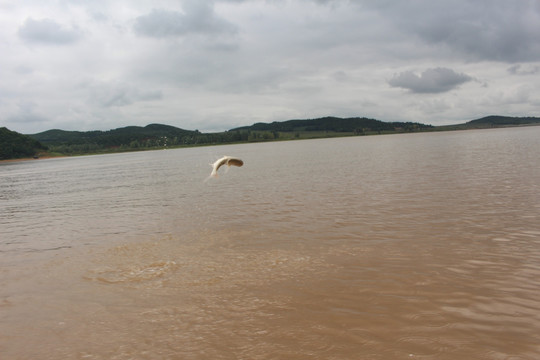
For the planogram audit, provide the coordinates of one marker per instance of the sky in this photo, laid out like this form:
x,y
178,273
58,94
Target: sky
x,y
213,65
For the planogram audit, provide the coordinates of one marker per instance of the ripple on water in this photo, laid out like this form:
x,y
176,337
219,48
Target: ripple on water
x,y
418,345
132,274
430,319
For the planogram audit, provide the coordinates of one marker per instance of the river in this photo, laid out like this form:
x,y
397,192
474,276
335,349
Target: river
x,y
412,246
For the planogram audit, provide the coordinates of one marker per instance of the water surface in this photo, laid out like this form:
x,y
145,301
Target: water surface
x,y
387,247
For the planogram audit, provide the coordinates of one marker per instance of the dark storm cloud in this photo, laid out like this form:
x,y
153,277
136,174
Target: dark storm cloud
x,y
436,80
198,17
47,31
495,30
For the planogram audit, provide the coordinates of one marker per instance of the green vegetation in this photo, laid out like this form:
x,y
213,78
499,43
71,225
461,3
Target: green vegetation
x,y
502,121
157,136
14,145
131,138
492,121
355,126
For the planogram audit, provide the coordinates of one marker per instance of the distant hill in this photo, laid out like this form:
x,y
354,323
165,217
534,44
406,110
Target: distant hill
x,y
114,137
156,136
14,145
491,121
495,120
335,124
153,136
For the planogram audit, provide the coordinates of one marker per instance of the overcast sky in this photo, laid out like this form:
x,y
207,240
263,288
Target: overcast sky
x,y
213,65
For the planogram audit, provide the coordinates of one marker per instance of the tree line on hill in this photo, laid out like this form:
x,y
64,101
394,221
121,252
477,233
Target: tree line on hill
x,y
155,136
335,124
130,138
161,136
14,145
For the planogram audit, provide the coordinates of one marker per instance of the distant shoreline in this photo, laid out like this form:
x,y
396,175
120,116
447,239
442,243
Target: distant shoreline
x,y
304,135
32,159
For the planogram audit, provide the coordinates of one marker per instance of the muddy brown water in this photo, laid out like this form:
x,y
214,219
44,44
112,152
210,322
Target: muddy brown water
x,y
417,246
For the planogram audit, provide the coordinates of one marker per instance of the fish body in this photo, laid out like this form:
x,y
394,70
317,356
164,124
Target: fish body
x,y
226,160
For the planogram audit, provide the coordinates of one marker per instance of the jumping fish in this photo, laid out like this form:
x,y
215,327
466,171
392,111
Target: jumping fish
x,y
226,160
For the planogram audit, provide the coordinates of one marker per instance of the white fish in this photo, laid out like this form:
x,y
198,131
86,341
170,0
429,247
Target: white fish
x,y
226,160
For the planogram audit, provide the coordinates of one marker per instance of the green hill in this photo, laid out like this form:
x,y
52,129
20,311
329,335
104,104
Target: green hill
x,y
14,145
125,138
491,121
114,137
335,124
155,136
495,120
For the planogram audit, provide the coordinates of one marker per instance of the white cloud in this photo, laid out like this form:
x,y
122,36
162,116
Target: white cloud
x,y
27,112
197,17
47,31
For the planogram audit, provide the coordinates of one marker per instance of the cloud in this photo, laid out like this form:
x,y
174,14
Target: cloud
x,y
23,70
198,17
435,80
116,95
47,31
520,94
26,114
523,70
216,64
496,30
